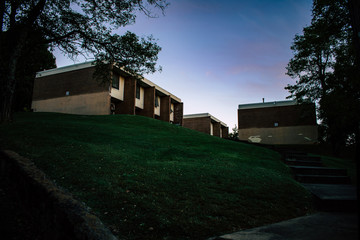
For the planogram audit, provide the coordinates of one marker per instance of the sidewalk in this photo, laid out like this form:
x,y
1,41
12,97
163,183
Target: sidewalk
x,y
319,226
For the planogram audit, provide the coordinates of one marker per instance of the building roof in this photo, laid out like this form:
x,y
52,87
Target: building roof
x,y
92,64
200,115
268,104
64,69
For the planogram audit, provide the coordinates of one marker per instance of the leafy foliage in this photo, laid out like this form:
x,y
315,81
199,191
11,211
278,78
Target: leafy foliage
x,y
325,69
234,135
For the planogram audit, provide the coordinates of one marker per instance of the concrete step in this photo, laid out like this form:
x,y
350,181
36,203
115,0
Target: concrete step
x,y
334,197
303,163
290,154
304,158
306,170
322,179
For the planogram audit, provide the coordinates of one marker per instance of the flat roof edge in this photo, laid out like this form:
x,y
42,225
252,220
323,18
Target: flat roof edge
x,y
268,104
199,115
64,69
150,83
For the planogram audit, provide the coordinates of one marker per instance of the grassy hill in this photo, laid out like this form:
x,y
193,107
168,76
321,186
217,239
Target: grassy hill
x,y
147,179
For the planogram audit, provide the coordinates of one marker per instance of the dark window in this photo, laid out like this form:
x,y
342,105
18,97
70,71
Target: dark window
x,y
137,91
115,81
156,101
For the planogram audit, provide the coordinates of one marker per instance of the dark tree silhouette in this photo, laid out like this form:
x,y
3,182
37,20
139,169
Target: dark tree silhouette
x,y
327,71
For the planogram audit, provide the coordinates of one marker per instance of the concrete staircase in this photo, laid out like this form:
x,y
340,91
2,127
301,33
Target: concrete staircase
x,y
331,187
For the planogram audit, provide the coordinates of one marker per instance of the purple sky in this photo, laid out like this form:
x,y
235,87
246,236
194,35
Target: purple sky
x,y
218,54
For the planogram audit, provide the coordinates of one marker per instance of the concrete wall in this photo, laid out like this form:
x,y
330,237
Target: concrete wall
x,y
280,135
87,104
58,215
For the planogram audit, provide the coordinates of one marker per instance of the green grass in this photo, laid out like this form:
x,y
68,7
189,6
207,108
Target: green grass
x,y
147,179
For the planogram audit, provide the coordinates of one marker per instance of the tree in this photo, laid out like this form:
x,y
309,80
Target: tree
x,y
325,66
76,27
32,60
234,135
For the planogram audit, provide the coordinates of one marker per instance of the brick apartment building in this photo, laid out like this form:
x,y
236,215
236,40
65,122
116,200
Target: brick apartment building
x,y
282,122
206,123
72,89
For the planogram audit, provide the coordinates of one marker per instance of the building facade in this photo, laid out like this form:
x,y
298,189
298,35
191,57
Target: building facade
x,y
73,90
206,123
282,122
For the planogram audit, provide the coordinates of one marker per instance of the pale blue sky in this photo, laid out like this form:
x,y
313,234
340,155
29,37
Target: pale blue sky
x,y
218,54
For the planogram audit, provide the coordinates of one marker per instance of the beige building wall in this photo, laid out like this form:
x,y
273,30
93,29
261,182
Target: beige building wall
x,y
280,135
157,109
86,104
140,102
119,93
172,112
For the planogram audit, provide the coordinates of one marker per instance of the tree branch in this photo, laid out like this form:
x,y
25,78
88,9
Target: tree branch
x,y
59,38
2,13
14,6
35,12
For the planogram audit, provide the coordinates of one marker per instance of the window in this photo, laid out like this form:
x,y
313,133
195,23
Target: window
x,y
276,124
137,91
115,81
156,101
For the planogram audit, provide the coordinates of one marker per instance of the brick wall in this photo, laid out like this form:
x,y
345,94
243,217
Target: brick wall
x,y
296,115
149,103
75,83
201,124
178,113
165,108
216,129
225,132
128,105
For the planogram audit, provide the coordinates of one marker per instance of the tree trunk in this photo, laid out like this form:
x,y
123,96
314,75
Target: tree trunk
x,y
8,80
6,106
357,144
354,9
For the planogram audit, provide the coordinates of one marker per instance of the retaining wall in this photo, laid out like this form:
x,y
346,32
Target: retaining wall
x,y
58,214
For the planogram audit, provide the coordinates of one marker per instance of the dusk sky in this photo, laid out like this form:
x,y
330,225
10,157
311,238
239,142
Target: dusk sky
x,y
218,54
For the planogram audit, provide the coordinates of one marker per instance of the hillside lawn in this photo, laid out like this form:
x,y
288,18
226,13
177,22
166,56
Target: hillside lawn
x,y
148,179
